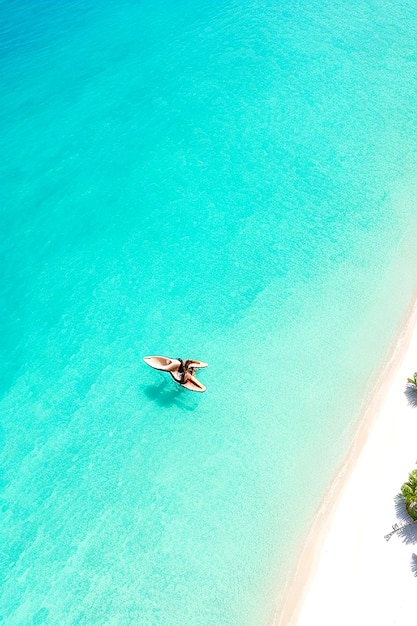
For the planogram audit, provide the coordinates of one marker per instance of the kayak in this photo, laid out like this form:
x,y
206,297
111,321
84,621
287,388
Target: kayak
x,y
192,383
162,364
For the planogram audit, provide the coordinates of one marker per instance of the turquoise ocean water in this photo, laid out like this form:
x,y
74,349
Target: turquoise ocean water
x,y
227,181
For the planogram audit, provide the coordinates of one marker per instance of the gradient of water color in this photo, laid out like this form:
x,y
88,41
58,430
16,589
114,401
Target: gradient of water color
x,y
228,181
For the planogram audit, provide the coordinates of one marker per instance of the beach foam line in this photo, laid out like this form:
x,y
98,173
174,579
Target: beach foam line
x,y
347,572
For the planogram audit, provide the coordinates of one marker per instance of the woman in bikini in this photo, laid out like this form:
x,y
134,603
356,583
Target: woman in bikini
x,y
181,371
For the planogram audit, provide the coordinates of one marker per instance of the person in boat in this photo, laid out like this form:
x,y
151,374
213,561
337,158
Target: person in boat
x,y
181,371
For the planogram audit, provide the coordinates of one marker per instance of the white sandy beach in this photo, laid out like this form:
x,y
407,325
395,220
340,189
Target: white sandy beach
x,y
348,573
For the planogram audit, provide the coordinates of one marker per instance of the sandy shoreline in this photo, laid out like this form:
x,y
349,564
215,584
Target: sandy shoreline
x,y
348,573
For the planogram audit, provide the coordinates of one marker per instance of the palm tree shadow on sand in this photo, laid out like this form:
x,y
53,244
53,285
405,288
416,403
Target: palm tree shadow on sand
x,y
414,564
168,394
411,394
408,532
400,510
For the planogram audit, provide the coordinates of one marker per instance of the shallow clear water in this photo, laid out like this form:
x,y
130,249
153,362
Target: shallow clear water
x,y
209,180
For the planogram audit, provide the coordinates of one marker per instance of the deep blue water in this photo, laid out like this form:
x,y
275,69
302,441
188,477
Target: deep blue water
x,y
223,181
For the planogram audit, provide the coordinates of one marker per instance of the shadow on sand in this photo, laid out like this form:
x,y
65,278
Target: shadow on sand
x,y
414,564
400,510
408,532
168,394
406,529
411,394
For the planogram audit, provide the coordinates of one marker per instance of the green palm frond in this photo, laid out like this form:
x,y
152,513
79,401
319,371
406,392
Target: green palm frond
x,y
406,490
409,493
